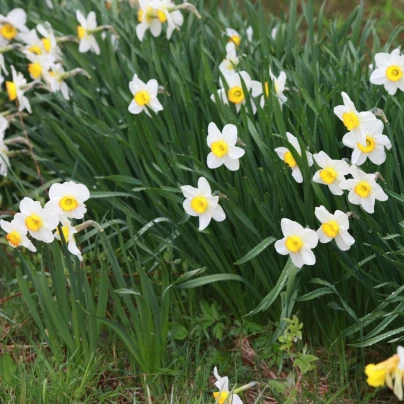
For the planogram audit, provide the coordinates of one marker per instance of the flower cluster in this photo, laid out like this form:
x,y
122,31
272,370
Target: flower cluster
x,y
389,372
66,202
366,137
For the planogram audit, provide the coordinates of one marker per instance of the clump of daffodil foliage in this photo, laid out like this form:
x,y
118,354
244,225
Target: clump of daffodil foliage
x,y
267,151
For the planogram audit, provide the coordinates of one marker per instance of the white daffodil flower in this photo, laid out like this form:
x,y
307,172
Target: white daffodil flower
x,y
389,71
223,147
49,41
144,96
223,395
151,16
12,25
400,353
354,121
376,143
235,94
40,222
55,80
68,199
363,189
39,66
68,234
285,155
334,227
4,161
200,202
279,85
15,90
250,32
17,235
87,39
231,62
175,19
34,43
297,242
233,35
332,172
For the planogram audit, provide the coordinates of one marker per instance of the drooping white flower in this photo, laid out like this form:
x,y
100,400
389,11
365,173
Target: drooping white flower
x,y
17,235
200,202
231,62
40,222
223,395
363,189
334,227
4,161
68,234
68,199
15,90
87,39
55,80
376,143
274,32
12,25
285,155
39,66
297,242
235,94
250,32
354,121
279,85
332,172
389,71
223,147
233,35
151,16
144,96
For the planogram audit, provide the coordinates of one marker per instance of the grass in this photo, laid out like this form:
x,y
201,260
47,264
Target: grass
x,y
157,304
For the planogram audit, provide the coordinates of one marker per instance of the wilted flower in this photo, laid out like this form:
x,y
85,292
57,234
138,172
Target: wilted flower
x,y
40,222
200,202
85,32
68,234
389,71
17,235
334,227
376,143
356,122
223,395
332,172
223,147
144,96
11,25
298,243
68,199
235,94
231,62
363,189
285,155
15,90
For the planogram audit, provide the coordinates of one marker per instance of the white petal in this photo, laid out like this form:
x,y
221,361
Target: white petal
x,y
297,259
323,215
235,152
297,174
280,247
230,134
189,192
188,208
204,187
310,238
218,214
231,164
213,161
204,220
308,256
378,76
290,228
